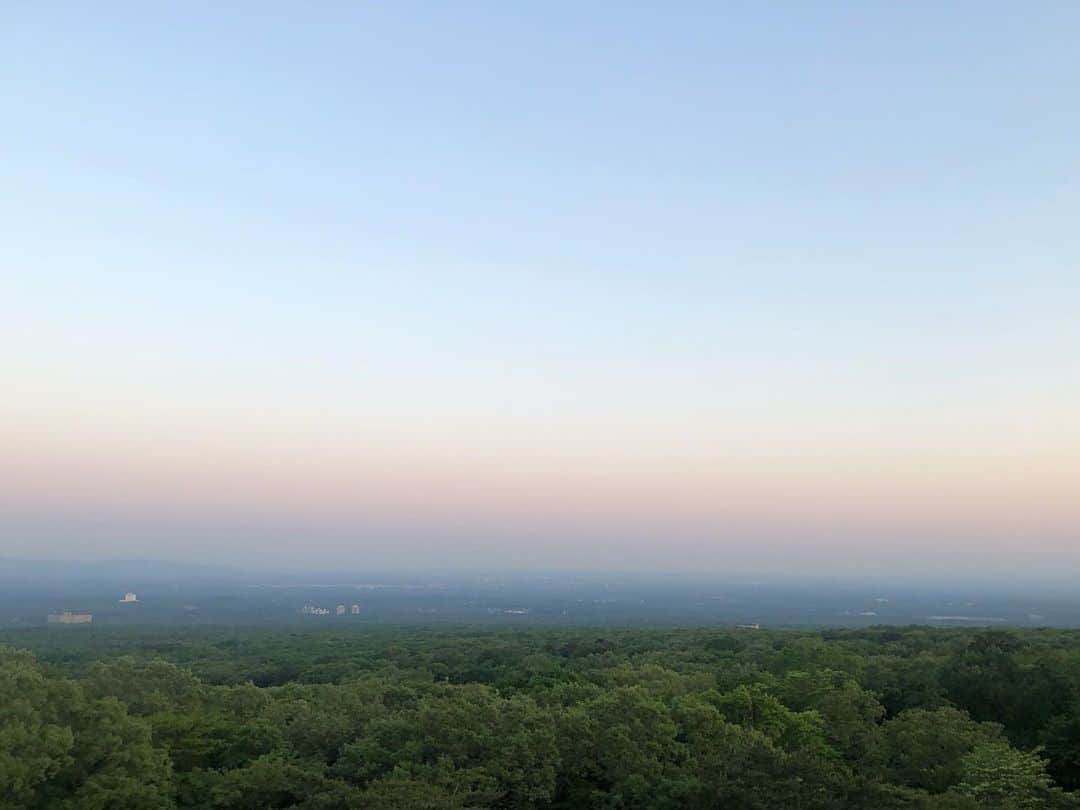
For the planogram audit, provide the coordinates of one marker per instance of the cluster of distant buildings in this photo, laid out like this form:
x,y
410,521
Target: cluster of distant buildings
x,y
68,617
340,610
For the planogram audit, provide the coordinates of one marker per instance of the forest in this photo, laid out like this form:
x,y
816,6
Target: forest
x,y
414,717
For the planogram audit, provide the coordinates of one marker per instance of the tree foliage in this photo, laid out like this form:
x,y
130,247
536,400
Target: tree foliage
x,y
415,718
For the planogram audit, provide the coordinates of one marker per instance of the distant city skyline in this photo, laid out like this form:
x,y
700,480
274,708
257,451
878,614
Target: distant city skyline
x,y
699,287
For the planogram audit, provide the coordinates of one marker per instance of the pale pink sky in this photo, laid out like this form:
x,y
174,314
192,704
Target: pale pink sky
x,y
732,288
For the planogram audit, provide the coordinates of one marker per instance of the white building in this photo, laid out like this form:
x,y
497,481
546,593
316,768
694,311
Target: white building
x,y
130,597
355,610
340,610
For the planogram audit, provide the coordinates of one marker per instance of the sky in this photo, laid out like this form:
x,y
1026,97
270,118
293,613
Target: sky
x,y
732,287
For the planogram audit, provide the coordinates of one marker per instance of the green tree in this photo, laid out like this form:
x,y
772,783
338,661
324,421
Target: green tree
x,y
1061,742
997,775
851,718
926,749
59,749
34,744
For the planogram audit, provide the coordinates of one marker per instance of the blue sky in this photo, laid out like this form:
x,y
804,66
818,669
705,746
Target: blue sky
x,y
694,238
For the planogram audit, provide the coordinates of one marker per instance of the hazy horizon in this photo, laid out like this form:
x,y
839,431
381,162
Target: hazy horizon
x,y
714,289
103,571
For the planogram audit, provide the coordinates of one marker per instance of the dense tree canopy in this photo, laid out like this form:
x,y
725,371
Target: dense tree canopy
x,y
415,718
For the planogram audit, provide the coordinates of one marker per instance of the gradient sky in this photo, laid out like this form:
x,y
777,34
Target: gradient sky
x,y
713,287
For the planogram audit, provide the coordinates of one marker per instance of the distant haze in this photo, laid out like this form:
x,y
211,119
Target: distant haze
x,y
655,288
